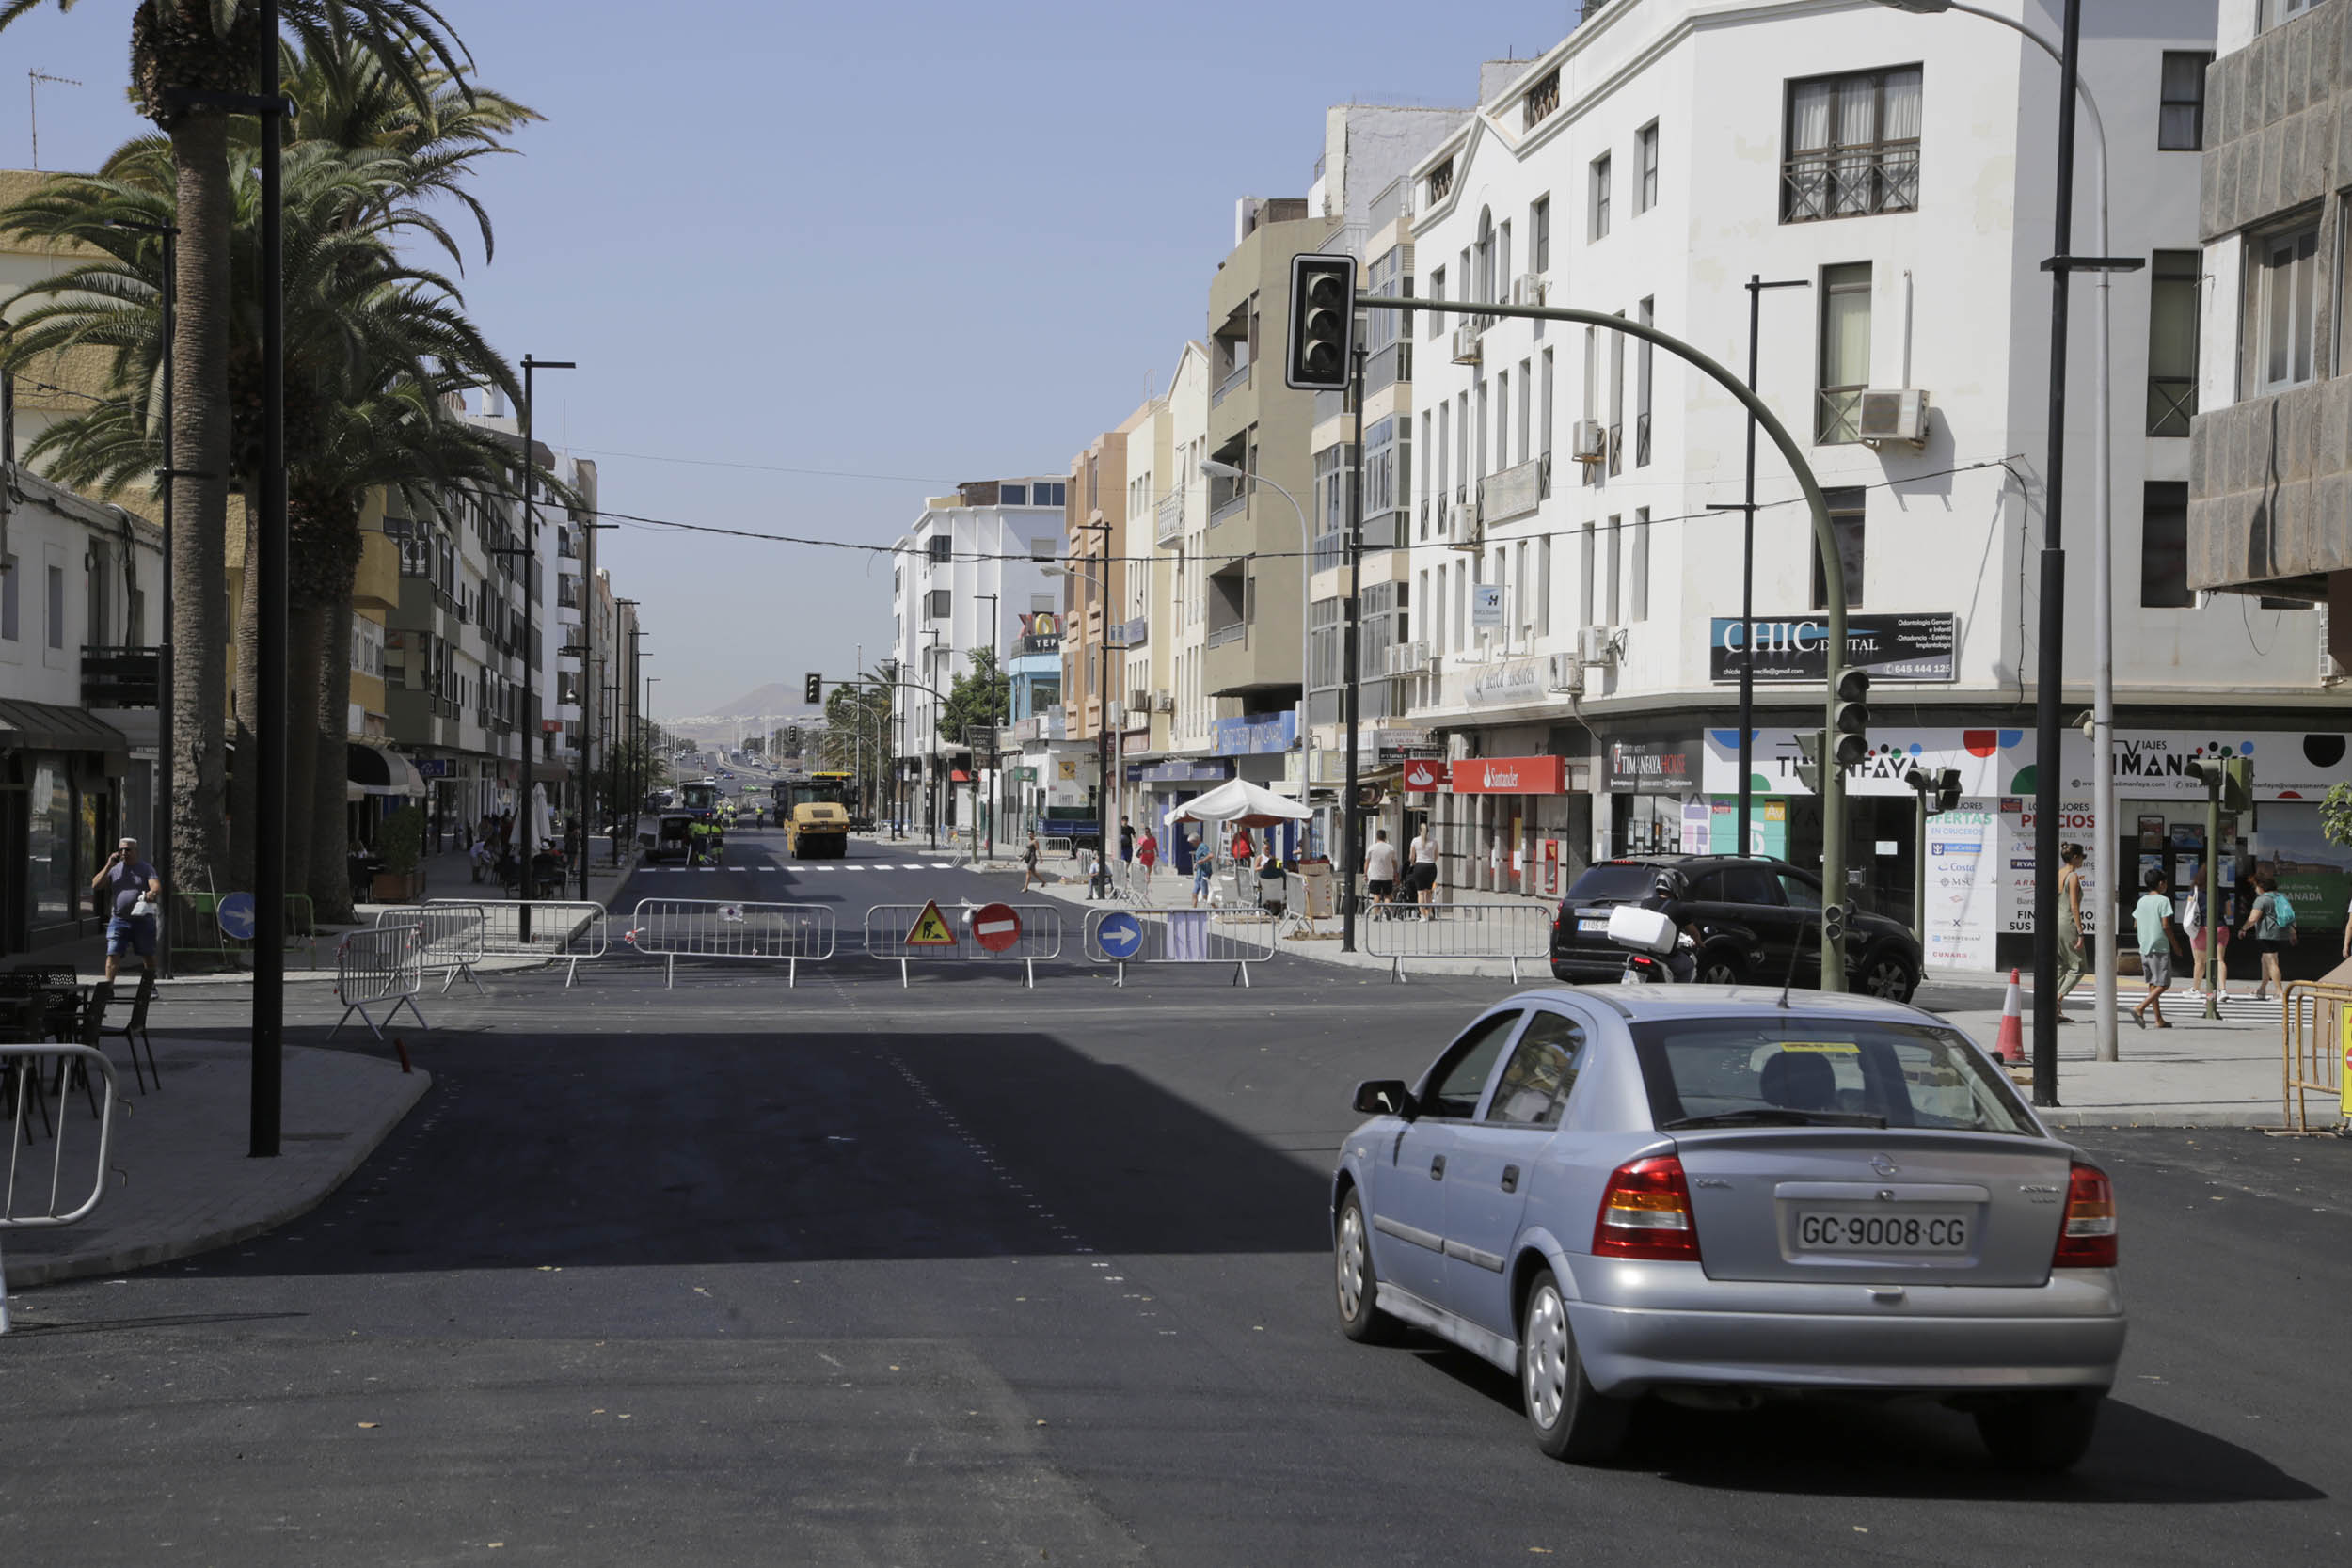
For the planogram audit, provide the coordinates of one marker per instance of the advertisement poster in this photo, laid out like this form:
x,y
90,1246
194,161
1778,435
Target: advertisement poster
x,y
1962,902
1699,827
1891,648
1989,761
2017,860
1768,827
2315,875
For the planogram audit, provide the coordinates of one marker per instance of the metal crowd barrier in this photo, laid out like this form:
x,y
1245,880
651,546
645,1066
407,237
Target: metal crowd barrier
x,y
189,926
452,934
1240,937
789,934
1514,932
888,926
2315,1024
373,968
27,1201
560,931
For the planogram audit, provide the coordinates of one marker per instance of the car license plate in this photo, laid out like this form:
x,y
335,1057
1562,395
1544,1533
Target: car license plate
x,y
1599,928
1880,1230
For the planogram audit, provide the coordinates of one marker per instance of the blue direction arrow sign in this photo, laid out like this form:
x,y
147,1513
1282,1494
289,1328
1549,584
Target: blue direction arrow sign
x,y
1121,935
236,916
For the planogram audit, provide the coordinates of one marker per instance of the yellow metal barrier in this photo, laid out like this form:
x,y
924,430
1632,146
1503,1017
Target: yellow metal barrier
x,y
2316,1029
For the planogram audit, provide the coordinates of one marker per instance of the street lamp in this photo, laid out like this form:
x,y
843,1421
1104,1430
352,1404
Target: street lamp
x,y
531,684
2047,693
1215,470
1104,765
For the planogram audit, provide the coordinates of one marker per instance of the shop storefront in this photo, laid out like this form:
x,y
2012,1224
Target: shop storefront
x,y
1655,802
1512,827
1263,748
62,775
1169,784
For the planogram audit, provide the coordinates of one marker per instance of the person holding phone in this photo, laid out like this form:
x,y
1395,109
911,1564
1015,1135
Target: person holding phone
x,y
133,891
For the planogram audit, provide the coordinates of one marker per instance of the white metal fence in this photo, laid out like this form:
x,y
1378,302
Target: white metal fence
x,y
889,926
560,931
1240,937
383,968
450,934
32,1197
1513,931
789,934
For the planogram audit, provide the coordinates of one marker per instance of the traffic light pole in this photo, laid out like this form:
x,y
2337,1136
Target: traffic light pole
x,y
2213,966
1351,815
1833,783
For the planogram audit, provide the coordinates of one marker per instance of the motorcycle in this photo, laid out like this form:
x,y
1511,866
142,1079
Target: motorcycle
x,y
1657,953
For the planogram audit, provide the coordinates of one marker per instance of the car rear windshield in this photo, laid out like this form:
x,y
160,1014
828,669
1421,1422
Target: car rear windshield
x,y
1910,1075
1615,882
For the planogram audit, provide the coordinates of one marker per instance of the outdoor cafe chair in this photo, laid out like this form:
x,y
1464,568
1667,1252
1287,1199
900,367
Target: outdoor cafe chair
x,y
133,1031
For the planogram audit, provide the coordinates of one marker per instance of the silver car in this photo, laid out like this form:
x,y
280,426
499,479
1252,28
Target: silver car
x,y
1718,1195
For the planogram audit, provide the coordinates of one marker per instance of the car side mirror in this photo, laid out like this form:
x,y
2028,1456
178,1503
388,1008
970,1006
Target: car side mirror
x,y
1385,1097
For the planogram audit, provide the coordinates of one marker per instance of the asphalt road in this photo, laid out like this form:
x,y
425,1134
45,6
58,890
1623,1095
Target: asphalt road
x,y
977,1275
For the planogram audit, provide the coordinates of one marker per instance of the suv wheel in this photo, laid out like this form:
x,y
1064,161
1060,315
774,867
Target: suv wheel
x,y
1890,975
1720,969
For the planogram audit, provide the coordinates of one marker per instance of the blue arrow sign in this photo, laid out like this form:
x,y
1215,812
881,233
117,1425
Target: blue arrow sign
x,y
1120,936
236,916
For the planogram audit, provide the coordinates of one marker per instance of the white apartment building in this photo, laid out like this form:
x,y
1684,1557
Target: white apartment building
x,y
1574,633
967,577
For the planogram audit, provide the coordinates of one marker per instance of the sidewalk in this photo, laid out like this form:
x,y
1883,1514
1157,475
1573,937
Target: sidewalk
x,y
182,1181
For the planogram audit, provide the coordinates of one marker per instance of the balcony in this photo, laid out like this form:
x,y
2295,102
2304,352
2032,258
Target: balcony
x,y
1219,635
121,677
1617,450
1851,181
1169,519
1543,479
1238,379
1640,439
1232,508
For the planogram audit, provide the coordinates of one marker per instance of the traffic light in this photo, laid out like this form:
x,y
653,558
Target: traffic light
x,y
815,687
1810,745
1833,922
2237,785
1323,323
1853,717
1947,789
1938,791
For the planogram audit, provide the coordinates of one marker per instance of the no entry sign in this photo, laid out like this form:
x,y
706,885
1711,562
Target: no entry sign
x,y
996,926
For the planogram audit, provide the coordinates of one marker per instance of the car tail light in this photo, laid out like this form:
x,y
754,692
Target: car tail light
x,y
1646,1213
2087,1239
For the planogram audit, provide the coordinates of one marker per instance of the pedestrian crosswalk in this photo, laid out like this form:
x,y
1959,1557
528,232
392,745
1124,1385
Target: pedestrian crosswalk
x,y
803,866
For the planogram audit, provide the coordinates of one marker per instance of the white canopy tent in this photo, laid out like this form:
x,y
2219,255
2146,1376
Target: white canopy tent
x,y
1242,803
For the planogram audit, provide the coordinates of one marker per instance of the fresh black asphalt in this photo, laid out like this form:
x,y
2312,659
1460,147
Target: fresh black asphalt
x,y
970,1274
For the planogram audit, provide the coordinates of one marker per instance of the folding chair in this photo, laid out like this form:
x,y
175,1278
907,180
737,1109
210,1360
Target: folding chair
x,y
133,1033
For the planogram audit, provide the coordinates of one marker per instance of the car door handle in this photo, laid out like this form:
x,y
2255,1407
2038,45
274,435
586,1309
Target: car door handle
x,y
1436,1168
1510,1179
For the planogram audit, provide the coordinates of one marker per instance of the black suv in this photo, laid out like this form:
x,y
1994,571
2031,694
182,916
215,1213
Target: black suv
x,y
1756,921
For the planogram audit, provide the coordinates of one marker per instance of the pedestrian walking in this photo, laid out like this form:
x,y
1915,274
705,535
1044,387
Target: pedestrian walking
x,y
133,891
1099,875
2070,924
1028,863
1126,841
1420,871
2153,915
2199,958
2271,921
1380,869
1203,867
1146,856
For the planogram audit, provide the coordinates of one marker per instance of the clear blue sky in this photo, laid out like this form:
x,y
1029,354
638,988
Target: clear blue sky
x,y
704,161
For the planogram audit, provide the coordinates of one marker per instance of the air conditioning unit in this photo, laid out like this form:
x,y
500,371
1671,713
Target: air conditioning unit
x,y
1464,530
1588,441
1889,416
1420,659
1163,702
1567,674
1528,289
1138,702
1598,645
1466,344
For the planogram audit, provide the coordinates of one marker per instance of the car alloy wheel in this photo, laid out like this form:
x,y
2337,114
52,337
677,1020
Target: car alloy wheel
x,y
1572,1419
1719,972
1358,1283
1889,977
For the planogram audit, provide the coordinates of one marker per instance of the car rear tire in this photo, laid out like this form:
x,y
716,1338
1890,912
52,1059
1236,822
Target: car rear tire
x,y
2039,1432
1891,976
1720,970
1572,1419
1358,1286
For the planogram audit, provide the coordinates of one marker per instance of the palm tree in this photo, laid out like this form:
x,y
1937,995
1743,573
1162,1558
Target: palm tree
x,y
177,46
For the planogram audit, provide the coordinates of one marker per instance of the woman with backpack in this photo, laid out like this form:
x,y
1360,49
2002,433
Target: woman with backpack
x,y
2272,924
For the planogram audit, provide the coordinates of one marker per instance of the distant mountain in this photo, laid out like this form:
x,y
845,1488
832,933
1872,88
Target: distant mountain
x,y
775,697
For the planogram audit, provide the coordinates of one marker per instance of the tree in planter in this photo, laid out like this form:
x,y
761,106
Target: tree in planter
x,y
400,841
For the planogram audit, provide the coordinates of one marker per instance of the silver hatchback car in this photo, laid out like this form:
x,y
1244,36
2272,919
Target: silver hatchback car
x,y
1717,1195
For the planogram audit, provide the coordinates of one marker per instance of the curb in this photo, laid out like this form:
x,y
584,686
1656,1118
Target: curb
x,y
49,1270
2124,1118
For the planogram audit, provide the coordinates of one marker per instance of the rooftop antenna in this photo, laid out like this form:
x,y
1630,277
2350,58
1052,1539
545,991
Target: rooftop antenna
x,y
33,79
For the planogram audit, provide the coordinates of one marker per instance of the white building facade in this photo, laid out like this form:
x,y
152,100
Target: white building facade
x,y
970,576
1575,634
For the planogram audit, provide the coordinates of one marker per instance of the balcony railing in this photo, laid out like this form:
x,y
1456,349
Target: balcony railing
x,y
1850,182
1231,508
120,678
1168,521
1617,450
1838,416
1234,382
1542,477
1219,635
1640,439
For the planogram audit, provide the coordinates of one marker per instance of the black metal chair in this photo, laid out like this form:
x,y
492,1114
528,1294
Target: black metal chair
x,y
133,1031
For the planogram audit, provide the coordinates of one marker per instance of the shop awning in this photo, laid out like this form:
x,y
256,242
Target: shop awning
x,y
372,770
46,727
959,776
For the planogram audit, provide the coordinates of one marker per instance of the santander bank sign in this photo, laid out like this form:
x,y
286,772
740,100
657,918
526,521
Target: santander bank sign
x,y
1511,776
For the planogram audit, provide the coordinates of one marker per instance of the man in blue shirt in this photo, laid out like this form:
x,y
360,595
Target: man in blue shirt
x,y
128,882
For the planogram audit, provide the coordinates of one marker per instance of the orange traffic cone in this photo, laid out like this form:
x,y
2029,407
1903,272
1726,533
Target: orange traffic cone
x,y
2011,1044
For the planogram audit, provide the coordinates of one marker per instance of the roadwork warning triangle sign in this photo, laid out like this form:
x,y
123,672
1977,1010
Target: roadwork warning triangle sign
x,y
930,928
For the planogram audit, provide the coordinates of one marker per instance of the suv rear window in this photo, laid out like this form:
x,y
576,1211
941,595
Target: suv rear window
x,y
1910,1075
1627,883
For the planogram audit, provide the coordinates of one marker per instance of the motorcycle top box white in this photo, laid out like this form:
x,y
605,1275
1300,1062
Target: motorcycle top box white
x,y
1643,930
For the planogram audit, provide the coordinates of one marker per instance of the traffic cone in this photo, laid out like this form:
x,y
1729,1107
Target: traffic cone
x,y
2011,1044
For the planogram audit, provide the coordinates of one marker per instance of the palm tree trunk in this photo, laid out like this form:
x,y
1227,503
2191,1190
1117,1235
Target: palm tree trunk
x,y
199,451
330,827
